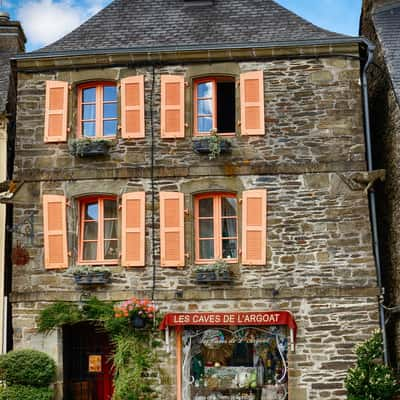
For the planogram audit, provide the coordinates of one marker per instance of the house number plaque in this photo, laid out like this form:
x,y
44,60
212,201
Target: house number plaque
x,y
94,363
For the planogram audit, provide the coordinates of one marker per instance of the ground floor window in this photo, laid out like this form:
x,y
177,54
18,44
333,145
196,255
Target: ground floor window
x,y
234,362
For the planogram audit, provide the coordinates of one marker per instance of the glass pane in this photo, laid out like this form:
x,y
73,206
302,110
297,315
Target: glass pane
x,y
92,211
110,209
229,227
109,93
206,228
229,206
204,107
229,248
90,251
206,207
89,129
89,95
110,229
88,111
110,110
204,124
204,89
90,232
110,128
206,249
110,249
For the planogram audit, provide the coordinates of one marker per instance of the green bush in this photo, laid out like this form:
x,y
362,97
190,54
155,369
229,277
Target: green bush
x,y
19,392
27,367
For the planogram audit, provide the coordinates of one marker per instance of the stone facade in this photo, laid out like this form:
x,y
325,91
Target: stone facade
x,y
320,264
385,123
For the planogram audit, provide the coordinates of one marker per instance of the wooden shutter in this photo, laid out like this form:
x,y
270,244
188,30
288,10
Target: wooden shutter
x,y
254,225
55,232
172,106
252,103
56,110
172,229
133,229
132,107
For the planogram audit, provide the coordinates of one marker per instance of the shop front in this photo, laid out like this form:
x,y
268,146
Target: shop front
x,y
232,356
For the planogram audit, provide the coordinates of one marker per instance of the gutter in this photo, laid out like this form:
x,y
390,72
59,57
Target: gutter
x,y
372,198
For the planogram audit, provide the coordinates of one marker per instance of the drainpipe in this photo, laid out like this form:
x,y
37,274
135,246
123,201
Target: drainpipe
x,y
372,198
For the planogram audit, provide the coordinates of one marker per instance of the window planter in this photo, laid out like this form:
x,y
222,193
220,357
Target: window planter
x,y
205,146
83,276
89,147
214,273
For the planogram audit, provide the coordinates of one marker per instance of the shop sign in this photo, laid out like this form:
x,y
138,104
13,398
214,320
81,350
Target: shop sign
x,y
94,363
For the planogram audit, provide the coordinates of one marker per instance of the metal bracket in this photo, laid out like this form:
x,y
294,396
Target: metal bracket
x,y
24,228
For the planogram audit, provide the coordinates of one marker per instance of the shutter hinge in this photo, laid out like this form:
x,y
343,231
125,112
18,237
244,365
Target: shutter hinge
x,y
240,252
186,211
187,84
69,130
118,85
240,201
186,125
69,87
187,255
239,123
68,203
119,127
69,254
119,206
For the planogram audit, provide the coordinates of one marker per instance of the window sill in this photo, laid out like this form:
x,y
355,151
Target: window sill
x,y
95,263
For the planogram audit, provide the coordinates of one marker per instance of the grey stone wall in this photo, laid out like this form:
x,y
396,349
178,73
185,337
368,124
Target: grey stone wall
x,y
320,263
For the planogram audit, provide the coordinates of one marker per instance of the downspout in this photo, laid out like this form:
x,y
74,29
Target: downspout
x,y
372,198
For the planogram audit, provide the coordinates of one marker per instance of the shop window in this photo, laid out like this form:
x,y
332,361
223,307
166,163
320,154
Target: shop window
x,y
216,220
97,110
214,105
234,362
98,238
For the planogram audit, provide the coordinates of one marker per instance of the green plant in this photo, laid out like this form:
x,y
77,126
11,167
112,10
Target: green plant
x,y
87,270
27,367
370,379
20,392
58,314
219,267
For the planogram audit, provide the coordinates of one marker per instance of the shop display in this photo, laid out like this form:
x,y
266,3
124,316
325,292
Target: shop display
x,y
235,363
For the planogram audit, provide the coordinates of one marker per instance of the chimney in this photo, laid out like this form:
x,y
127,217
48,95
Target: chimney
x,y
12,37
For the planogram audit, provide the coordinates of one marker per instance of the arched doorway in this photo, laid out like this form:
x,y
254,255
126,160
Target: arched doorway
x,y
87,354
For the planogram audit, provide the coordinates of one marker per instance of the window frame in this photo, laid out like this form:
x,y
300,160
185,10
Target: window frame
x,y
100,230
217,227
213,80
99,86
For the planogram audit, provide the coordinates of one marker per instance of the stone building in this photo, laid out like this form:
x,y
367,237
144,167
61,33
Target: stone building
x,y
281,205
12,41
381,24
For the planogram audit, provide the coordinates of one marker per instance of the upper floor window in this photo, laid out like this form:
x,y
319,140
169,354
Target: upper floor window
x,y
98,241
214,105
97,110
216,227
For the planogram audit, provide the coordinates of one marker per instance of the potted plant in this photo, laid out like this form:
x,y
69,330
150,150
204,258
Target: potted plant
x,y
139,312
88,275
219,272
86,147
213,145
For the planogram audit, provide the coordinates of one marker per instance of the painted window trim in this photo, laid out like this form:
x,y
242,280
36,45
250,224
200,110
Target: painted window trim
x,y
217,218
213,80
99,85
100,233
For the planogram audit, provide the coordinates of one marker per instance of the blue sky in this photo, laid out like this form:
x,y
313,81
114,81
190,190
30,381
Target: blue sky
x,y
44,21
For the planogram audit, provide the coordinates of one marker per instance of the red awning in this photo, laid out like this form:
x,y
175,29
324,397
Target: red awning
x,y
230,318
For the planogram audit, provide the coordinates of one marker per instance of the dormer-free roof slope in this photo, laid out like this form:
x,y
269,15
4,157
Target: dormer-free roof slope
x,y
134,24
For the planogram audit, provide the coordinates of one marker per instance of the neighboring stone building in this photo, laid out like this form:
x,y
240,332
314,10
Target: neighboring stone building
x,y
282,207
381,24
12,41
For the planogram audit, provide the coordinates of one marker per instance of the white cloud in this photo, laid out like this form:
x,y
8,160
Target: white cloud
x,y
45,21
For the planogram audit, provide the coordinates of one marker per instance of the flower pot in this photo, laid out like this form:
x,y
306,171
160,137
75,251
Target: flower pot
x,y
138,322
93,278
202,146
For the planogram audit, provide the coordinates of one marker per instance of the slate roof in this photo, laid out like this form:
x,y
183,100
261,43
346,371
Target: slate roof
x,y
169,23
5,75
387,24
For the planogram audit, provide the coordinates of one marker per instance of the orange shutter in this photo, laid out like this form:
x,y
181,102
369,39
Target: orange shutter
x,y
172,106
252,103
172,229
55,232
133,229
254,225
132,107
55,119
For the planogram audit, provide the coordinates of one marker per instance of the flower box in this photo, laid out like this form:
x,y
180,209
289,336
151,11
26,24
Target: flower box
x,y
89,147
86,277
202,146
219,272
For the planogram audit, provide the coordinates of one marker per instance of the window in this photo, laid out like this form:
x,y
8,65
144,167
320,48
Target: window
x,y
216,227
98,230
97,110
214,104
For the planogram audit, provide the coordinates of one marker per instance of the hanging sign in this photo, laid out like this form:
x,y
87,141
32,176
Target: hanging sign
x,y
231,318
94,363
